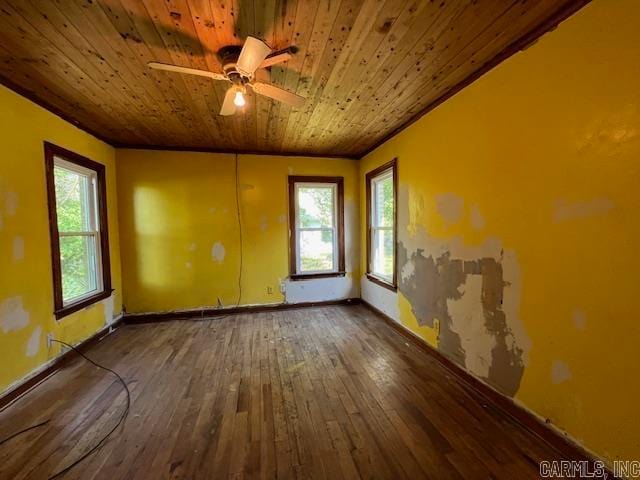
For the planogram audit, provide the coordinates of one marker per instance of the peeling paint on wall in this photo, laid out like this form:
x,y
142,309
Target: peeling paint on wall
x,y
33,344
474,294
13,316
560,372
449,206
466,297
108,310
579,319
467,321
18,249
564,210
264,223
10,203
218,252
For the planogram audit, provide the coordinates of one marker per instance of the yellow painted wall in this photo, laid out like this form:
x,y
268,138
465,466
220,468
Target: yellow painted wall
x,y
26,291
537,164
179,230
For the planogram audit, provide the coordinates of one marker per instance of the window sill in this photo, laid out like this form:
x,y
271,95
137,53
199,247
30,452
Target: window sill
x,y
310,276
85,302
382,283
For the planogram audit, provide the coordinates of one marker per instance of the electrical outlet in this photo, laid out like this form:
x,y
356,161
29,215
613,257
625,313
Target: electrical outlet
x,y
49,340
269,290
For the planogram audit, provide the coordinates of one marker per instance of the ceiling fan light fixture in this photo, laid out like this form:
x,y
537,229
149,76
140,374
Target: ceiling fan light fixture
x,y
239,67
239,99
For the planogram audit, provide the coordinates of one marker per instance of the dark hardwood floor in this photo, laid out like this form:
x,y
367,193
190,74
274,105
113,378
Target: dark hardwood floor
x,y
330,392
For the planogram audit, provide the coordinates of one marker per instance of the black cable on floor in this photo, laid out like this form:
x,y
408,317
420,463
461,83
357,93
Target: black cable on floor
x,y
23,431
122,417
104,439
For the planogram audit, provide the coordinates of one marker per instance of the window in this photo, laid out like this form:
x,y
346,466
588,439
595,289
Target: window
x,y
76,192
381,225
316,209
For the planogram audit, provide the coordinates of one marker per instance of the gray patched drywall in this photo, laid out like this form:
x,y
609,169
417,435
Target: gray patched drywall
x,y
428,287
431,287
473,291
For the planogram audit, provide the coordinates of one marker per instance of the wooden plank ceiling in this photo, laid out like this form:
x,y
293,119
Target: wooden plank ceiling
x,y
366,67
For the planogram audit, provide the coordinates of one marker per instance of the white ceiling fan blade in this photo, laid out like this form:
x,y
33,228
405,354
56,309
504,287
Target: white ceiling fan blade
x,y
275,59
228,107
191,71
278,94
252,55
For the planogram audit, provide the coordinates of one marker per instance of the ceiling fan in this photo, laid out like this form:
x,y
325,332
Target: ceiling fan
x,y
239,66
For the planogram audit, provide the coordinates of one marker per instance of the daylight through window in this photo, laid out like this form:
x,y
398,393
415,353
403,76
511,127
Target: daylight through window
x,y
317,233
78,230
78,238
382,221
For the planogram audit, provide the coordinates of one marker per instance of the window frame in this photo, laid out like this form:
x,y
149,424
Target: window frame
x,y
338,184
103,264
391,166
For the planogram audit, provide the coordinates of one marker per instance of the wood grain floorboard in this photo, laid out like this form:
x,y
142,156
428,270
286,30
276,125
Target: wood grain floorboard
x,y
328,392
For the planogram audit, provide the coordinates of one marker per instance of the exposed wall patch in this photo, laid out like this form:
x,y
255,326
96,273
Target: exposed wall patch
x,y
108,310
18,249
33,344
218,252
264,222
10,203
474,294
450,207
579,319
468,322
13,316
560,372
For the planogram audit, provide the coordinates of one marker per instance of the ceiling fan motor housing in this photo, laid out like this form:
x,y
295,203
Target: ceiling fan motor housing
x,y
228,57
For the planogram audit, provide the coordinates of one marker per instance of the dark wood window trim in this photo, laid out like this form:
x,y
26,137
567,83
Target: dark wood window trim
x,y
393,165
50,151
293,273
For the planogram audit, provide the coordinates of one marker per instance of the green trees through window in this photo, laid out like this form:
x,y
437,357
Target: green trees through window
x,y
75,210
381,223
316,211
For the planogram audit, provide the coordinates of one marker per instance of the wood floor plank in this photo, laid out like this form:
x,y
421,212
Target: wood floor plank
x,y
328,392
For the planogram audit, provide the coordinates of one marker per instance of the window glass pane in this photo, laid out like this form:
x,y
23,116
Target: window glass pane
x,y
383,202
78,262
316,250
72,200
382,251
315,207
